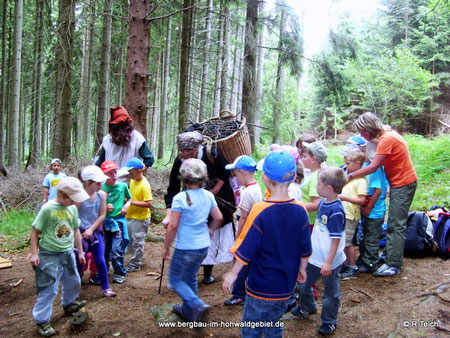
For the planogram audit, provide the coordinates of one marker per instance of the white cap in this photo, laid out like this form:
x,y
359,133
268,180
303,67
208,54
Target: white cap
x,y
93,173
73,188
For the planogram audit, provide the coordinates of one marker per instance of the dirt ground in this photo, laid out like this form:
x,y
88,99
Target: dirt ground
x,y
371,307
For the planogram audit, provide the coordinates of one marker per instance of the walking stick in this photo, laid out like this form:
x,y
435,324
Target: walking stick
x,y
161,277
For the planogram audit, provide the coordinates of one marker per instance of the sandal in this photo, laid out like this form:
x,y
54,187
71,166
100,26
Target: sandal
x,y
109,293
45,329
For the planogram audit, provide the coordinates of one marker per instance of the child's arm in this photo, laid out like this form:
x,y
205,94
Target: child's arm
x,y
142,204
79,246
231,276
125,207
99,221
326,267
171,233
34,239
217,187
244,216
217,220
166,220
368,208
301,278
45,196
313,205
360,200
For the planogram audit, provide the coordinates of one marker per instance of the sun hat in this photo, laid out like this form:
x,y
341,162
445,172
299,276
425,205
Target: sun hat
x,y
55,160
119,115
73,188
279,166
290,149
193,169
108,166
318,150
93,173
133,163
243,162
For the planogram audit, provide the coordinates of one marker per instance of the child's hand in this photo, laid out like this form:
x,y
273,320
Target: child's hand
x,y
326,269
366,211
87,234
165,221
166,253
228,281
81,258
109,207
124,210
35,260
301,278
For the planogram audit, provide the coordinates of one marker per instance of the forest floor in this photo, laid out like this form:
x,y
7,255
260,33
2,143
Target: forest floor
x,y
371,307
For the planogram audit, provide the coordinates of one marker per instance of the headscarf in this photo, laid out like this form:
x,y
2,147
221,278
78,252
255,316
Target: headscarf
x,y
119,115
189,140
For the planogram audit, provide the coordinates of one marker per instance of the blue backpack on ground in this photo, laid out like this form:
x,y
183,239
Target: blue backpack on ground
x,y
418,238
441,234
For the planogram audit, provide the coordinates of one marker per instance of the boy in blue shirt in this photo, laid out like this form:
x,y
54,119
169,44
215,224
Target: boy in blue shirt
x,y
51,180
276,241
328,242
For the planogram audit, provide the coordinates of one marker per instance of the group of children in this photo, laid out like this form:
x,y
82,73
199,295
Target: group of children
x,y
103,217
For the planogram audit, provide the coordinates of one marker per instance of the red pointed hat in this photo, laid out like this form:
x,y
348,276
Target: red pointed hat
x,y
119,115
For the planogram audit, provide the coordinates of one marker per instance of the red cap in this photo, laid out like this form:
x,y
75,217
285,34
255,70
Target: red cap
x,y
119,115
107,166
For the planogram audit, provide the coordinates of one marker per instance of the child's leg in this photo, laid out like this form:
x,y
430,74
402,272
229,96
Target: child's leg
x,y
108,245
331,297
70,286
117,254
350,252
239,284
43,309
307,301
98,251
138,233
372,231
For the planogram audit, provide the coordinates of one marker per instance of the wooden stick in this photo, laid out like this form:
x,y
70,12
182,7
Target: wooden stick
x,y
363,292
161,278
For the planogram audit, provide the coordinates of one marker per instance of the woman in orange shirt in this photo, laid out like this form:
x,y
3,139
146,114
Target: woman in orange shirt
x,y
393,154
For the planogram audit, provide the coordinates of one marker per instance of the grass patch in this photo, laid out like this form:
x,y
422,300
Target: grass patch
x,y
15,228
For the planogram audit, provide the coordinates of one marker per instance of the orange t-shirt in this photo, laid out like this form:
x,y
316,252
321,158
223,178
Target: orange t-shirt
x,y
397,163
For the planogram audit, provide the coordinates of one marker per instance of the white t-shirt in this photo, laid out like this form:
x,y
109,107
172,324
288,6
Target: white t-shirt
x,y
295,191
249,196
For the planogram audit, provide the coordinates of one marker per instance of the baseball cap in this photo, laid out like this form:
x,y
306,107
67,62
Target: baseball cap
x,y
93,173
55,160
357,139
133,163
243,162
108,166
193,168
318,150
279,166
73,188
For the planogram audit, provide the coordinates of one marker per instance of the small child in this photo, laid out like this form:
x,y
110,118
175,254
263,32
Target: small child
x,y
295,188
53,257
92,214
188,221
244,168
138,217
328,252
353,197
52,179
275,238
118,200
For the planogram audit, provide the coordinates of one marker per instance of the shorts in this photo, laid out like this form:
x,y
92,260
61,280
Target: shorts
x,y
350,228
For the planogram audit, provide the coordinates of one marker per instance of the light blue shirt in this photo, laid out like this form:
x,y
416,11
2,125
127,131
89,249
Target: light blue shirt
x,y
193,233
51,182
378,180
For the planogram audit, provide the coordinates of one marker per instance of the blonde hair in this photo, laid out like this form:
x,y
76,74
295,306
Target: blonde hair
x,y
333,176
369,122
300,172
355,155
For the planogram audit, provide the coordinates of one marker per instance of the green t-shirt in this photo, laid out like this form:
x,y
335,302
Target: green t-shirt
x,y
309,191
57,224
116,194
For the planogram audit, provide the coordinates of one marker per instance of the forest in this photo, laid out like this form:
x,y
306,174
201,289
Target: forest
x,y
170,63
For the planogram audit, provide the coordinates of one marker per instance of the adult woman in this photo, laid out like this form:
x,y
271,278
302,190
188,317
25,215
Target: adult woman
x,y
393,154
123,142
189,146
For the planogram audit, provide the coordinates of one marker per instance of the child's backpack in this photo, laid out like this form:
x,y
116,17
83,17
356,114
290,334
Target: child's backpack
x,y
418,238
441,234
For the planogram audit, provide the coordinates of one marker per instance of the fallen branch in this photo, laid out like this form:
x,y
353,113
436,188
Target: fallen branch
x,y
438,285
363,292
25,200
436,293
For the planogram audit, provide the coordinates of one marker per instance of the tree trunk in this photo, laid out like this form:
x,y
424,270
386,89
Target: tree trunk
x,y
104,76
165,90
225,79
259,79
249,73
205,68
3,87
218,78
235,76
13,144
192,110
184,65
155,119
137,63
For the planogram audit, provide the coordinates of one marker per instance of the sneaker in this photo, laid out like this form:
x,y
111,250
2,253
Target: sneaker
x,y
297,311
352,271
108,293
119,279
367,268
208,280
74,307
45,329
199,311
234,301
326,329
94,280
291,306
344,268
386,270
382,258
132,268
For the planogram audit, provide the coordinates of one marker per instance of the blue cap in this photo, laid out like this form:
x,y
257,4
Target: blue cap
x,y
359,140
134,163
280,166
243,162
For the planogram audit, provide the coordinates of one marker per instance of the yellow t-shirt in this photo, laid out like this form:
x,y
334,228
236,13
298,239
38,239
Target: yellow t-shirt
x,y
354,188
140,191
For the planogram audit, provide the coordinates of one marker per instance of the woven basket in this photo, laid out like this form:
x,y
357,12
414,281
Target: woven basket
x,y
236,144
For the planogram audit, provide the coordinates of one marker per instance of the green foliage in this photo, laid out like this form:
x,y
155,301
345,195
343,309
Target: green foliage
x,y
15,228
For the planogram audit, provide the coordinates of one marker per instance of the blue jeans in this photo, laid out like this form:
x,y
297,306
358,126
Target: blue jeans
x,y
183,275
259,310
239,283
114,251
331,296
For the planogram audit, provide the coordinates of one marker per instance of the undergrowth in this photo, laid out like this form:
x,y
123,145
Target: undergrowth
x,y
15,228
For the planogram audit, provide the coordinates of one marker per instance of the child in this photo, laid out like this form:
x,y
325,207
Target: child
x,y
244,168
274,239
373,215
353,197
138,217
51,180
295,188
328,252
118,199
188,221
92,214
53,258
